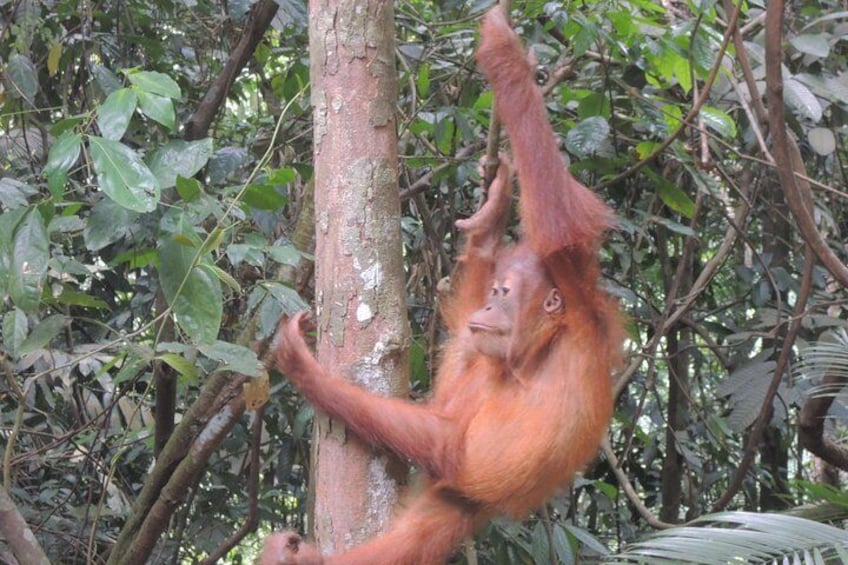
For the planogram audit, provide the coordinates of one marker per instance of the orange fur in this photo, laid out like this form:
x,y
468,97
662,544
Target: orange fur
x,y
502,432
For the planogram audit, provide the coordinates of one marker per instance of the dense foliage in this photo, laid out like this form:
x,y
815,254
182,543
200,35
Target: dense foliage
x,y
117,220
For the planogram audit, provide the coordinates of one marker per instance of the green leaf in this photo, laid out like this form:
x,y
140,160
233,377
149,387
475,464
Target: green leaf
x,y
646,148
65,124
157,108
233,357
123,176
285,254
286,297
281,176
589,138
423,80
671,195
213,241
445,135
484,101
107,223
718,121
76,298
21,79
130,368
815,44
115,113
63,155
252,254
28,266
154,83
9,221
539,544
180,364
179,158
223,276
682,71
587,539
15,327
105,78
43,333
264,197
198,302
225,164
563,548
14,193
800,99
54,55
188,189
65,224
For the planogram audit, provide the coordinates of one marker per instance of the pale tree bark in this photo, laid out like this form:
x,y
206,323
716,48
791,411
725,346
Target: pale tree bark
x,y
363,333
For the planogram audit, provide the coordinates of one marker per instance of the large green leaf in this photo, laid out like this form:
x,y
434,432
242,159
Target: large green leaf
x,y
28,265
233,357
15,327
589,138
671,195
115,113
107,223
157,108
192,292
21,78
43,333
181,365
14,193
263,197
8,223
801,100
63,155
815,44
287,254
718,121
123,175
154,83
183,158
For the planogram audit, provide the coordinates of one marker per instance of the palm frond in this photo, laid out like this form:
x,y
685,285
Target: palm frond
x,y
741,537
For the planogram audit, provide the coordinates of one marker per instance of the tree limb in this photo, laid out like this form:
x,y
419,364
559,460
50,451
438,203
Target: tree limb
x,y
631,493
229,407
258,21
18,534
811,423
786,153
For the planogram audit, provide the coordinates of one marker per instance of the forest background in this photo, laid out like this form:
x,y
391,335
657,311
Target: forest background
x,y
156,220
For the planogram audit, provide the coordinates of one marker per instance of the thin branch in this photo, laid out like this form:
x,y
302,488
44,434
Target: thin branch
x,y
629,491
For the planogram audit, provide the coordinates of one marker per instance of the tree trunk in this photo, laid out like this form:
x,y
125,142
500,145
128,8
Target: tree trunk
x,y
363,334
774,452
